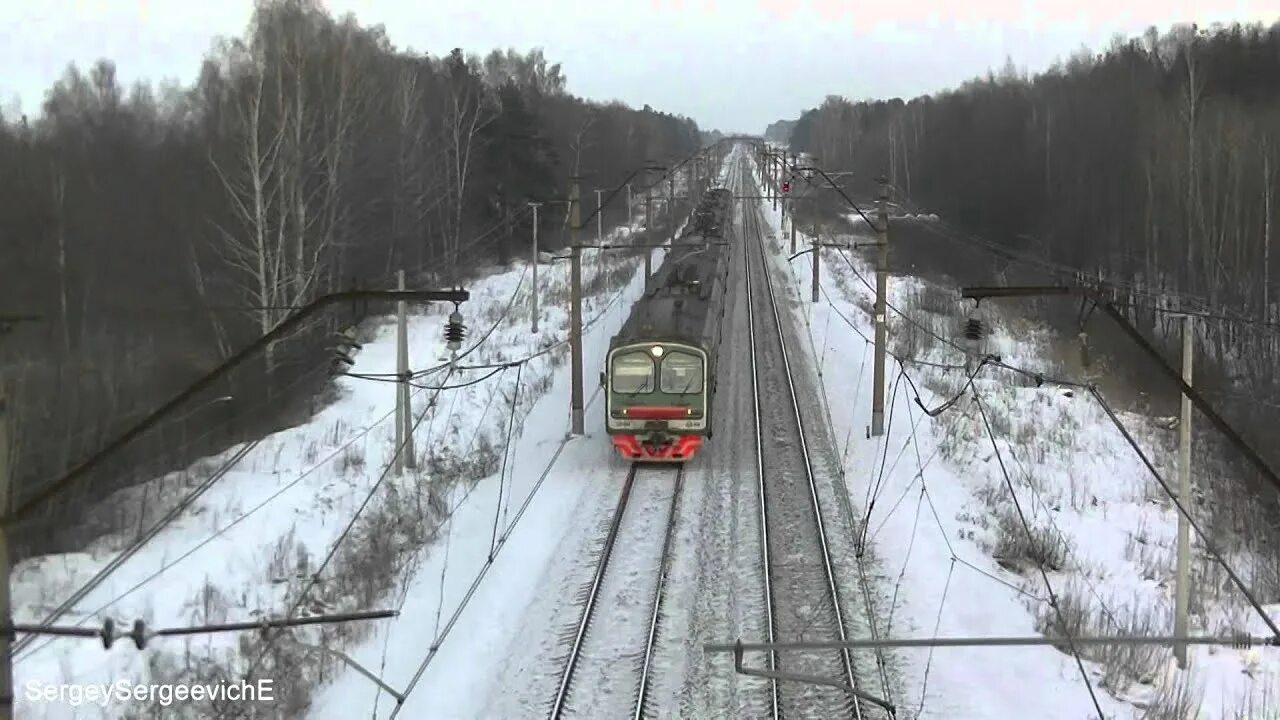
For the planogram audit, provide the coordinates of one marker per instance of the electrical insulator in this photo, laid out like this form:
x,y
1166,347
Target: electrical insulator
x,y
973,333
973,329
454,331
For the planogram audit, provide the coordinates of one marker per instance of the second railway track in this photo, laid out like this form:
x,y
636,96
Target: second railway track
x,y
610,665
802,592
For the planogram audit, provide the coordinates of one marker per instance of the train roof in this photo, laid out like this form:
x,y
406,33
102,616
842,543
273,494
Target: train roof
x,y
682,294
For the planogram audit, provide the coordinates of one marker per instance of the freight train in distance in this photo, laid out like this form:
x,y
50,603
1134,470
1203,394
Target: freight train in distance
x,y
659,376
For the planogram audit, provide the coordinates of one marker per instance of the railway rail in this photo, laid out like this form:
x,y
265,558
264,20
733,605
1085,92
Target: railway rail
x,y
594,672
802,596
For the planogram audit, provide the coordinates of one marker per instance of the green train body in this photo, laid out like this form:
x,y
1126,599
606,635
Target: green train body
x,y
659,377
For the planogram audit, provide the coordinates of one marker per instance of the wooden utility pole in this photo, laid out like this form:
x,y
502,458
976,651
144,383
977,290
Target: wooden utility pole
x,y
404,413
575,312
882,291
1181,579
629,210
533,293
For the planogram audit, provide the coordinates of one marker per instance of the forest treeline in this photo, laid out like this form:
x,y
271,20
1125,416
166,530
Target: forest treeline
x,y
157,230
1153,165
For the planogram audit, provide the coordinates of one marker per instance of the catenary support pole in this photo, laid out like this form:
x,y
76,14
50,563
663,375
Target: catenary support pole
x,y
400,376
533,292
575,314
599,230
648,236
783,202
6,612
404,413
777,179
881,320
671,201
817,258
1182,579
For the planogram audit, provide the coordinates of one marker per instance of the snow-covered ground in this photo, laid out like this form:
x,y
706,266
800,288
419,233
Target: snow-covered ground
x,y
944,528
940,521
249,544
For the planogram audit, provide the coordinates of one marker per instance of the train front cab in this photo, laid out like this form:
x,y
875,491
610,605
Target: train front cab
x,y
656,400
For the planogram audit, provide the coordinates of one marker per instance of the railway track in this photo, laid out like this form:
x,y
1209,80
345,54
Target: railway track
x,y
629,577
802,595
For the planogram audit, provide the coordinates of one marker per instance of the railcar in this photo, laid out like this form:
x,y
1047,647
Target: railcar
x,y
659,376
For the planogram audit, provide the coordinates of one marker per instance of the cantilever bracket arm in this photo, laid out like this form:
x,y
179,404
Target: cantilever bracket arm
x,y
841,246
981,293
742,669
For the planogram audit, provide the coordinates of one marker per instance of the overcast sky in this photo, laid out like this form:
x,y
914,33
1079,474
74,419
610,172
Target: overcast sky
x,y
733,65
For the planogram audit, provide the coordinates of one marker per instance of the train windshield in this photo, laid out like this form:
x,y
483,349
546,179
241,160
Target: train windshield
x,y
681,373
633,373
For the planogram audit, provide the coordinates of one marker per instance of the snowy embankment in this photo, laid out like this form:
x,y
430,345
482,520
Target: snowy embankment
x,y
944,528
250,545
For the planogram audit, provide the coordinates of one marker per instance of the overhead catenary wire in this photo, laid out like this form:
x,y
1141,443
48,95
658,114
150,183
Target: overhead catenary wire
x,y
1044,575
168,517
190,498
333,549
1187,301
1209,545
221,531
989,360
498,368
1040,379
295,621
443,633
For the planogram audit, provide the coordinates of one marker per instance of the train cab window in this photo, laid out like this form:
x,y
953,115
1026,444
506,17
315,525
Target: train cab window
x,y
681,373
633,373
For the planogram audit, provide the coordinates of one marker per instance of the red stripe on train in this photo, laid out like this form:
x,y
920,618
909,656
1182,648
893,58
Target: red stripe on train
x,y
683,448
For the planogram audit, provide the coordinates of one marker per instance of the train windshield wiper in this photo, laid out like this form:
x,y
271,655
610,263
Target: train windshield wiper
x,y
646,388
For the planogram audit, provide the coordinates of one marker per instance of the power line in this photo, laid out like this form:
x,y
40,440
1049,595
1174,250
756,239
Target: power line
x,y
1204,538
60,485
1077,274
123,556
333,549
944,230
1022,518
242,517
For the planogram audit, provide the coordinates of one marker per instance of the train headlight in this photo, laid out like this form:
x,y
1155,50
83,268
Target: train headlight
x,y
656,350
